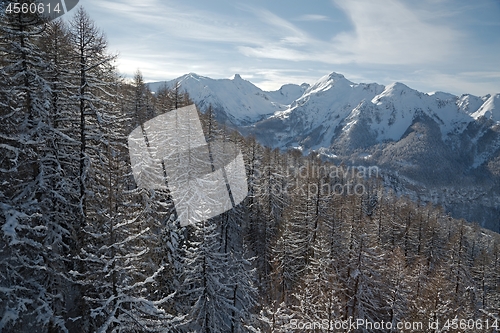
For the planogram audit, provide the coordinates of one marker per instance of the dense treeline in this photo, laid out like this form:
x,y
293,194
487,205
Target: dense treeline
x,y
84,250
325,257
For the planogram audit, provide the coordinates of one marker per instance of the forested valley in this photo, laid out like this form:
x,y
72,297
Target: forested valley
x,y
83,249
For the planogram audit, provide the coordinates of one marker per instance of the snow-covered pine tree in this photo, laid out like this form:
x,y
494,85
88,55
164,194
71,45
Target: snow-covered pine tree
x,y
363,276
241,275
494,280
252,154
317,296
276,317
179,98
93,70
481,274
433,243
206,295
89,88
288,261
238,272
397,286
122,274
217,290
295,246
142,98
459,273
57,48
163,101
36,192
167,236
271,189
117,270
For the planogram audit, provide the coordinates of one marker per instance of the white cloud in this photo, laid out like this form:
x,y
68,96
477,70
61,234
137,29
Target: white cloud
x,y
477,83
166,39
272,51
313,17
382,34
183,22
392,33
277,27
482,74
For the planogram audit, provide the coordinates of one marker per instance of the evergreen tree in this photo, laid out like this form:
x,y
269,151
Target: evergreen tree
x,y
93,73
207,295
36,194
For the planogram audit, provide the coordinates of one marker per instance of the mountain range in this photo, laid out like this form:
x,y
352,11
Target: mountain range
x,y
433,147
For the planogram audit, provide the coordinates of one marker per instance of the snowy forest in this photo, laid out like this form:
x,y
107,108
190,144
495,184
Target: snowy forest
x,y
82,249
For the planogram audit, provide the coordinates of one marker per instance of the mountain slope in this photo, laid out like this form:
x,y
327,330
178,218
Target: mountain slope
x,y
434,147
235,101
334,106
490,109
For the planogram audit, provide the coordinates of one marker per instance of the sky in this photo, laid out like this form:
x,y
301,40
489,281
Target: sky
x,y
429,45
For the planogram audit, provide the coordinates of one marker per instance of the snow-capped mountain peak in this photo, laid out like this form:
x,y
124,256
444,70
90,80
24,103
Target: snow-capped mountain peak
x,y
288,93
490,109
327,82
397,91
313,116
235,100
